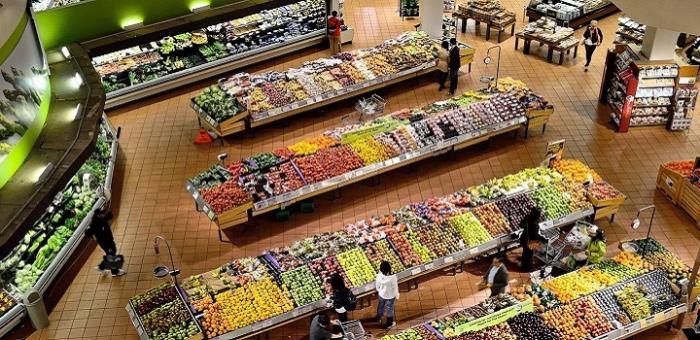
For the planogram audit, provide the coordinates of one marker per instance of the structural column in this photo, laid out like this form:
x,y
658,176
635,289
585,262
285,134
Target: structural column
x,y
659,43
431,17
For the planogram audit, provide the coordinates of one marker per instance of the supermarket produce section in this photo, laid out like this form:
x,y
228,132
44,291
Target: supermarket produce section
x,y
268,181
251,295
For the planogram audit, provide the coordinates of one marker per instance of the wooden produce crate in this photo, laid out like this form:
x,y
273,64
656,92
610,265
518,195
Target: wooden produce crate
x,y
537,118
689,200
606,211
466,55
608,202
235,216
670,183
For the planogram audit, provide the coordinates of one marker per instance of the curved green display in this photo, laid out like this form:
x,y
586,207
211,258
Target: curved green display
x,y
98,18
14,38
19,151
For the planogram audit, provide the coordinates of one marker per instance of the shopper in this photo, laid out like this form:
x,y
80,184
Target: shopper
x,y
454,64
333,27
592,38
343,298
388,290
596,248
496,278
443,53
321,328
100,231
530,238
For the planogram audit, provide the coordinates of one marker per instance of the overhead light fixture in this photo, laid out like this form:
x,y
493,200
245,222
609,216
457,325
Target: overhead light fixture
x,y
77,80
43,174
39,82
199,6
131,24
65,52
76,112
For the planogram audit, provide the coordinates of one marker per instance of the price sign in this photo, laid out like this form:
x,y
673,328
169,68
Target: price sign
x,y
429,266
415,271
475,250
643,323
449,259
211,215
635,326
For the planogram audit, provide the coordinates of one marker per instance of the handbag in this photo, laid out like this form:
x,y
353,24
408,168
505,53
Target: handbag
x,y
534,245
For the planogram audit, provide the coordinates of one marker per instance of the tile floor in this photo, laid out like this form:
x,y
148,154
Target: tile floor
x,y
157,155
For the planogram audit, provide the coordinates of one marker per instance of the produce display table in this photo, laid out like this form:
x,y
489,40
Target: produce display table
x,y
52,251
437,234
552,45
245,101
582,20
305,182
243,121
494,20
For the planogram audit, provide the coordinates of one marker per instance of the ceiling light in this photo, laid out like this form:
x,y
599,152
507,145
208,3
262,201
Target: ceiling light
x,y
65,52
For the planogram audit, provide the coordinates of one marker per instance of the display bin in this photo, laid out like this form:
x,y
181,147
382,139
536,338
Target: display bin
x,y
689,200
235,216
670,183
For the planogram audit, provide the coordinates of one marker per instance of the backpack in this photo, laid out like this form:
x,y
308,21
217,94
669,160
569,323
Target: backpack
x,y
350,301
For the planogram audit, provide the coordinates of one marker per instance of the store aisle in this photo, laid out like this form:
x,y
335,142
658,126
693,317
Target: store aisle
x,y
158,156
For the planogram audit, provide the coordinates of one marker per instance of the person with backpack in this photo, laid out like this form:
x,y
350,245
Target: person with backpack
x,y
100,231
343,298
388,290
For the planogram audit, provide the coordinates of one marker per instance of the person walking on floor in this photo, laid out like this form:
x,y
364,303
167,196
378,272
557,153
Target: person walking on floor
x,y
333,26
100,231
454,64
443,54
343,299
388,290
592,38
497,276
530,238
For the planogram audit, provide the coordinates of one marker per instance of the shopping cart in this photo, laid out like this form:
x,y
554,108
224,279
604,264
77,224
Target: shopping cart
x,y
353,330
368,107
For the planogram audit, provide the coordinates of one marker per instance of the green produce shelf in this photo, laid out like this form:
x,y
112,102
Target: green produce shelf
x,y
211,69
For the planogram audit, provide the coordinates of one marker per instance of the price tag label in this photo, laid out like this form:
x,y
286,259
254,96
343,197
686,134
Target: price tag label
x,y
205,209
449,259
474,250
643,323
415,271
635,326
660,317
429,266
671,313
211,215
547,224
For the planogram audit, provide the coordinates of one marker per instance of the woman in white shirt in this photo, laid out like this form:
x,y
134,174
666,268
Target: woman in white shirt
x,y
388,291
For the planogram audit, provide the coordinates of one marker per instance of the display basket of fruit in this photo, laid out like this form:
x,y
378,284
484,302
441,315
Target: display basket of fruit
x,y
602,194
671,176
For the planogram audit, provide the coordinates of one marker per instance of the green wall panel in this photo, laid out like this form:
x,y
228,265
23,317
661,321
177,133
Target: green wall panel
x,y
97,18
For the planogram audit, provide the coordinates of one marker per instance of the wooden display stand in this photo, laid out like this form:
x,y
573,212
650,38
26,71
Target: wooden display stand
x,y
605,208
670,183
689,200
551,46
235,216
537,118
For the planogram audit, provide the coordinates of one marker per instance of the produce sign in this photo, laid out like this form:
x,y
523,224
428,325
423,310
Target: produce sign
x,y
25,264
179,53
249,290
269,178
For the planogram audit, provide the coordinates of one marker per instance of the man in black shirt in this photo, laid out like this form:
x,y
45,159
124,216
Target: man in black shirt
x,y
100,231
319,328
454,64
